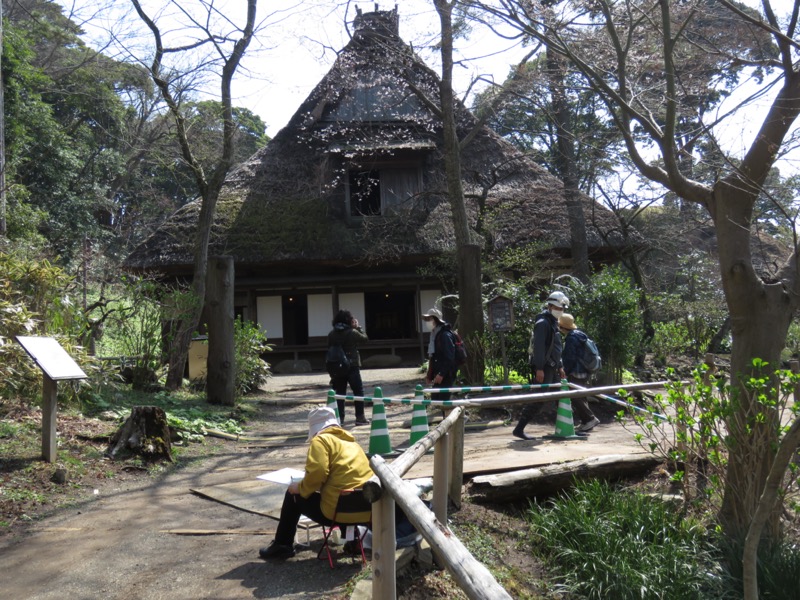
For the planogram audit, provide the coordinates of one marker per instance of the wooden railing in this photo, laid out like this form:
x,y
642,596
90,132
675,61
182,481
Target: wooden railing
x,y
387,488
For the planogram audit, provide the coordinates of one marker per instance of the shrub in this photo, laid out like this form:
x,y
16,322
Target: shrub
x,y
604,543
250,342
526,307
607,309
35,299
670,338
133,329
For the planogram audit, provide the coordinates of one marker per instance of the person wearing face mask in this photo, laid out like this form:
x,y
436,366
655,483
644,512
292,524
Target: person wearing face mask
x,y
441,353
545,353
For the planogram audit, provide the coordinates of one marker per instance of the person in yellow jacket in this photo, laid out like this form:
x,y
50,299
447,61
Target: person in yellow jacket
x,y
334,462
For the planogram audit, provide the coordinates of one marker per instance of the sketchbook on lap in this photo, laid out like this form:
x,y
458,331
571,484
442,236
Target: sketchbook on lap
x,y
284,476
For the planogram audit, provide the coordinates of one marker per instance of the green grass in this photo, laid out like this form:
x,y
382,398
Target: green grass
x,y
604,543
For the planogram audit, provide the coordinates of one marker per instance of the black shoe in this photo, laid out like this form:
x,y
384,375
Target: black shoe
x,y
362,421
521,434
276,551
352,548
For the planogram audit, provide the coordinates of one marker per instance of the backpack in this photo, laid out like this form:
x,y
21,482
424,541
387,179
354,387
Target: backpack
x,y
590,358
336,362
461,350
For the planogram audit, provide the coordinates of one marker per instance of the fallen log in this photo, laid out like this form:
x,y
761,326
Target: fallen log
x,y
551,479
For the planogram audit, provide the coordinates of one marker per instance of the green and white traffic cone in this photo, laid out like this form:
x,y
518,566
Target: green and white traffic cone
x,y
419,419
379,442
332,403
565,427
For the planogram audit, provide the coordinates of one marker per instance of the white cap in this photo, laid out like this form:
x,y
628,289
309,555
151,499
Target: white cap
x,y
319,419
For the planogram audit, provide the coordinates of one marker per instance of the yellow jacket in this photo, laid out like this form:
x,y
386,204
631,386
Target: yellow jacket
x,y
335,462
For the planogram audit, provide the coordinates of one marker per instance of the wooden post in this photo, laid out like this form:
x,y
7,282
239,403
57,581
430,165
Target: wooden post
x,y
221,367
384,568
49,410
456,436
470,575
440,479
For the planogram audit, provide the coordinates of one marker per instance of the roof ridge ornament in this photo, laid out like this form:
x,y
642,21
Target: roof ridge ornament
x,y
380,22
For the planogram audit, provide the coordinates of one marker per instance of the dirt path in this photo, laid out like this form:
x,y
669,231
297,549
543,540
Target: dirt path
x,y
123,546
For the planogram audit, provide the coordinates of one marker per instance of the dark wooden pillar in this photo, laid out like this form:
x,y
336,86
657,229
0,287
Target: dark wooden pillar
x,y
49,409
221,368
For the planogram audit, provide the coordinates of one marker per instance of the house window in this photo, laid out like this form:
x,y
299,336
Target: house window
x,y
378,192
365,193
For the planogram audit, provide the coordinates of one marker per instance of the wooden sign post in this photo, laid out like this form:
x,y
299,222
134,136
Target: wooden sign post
x,y
501,319
56,365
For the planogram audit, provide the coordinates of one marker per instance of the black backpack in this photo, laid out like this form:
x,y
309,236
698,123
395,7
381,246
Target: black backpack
x,y
336,362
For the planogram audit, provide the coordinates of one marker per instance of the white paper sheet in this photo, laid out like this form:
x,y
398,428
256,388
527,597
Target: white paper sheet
x,y
284,476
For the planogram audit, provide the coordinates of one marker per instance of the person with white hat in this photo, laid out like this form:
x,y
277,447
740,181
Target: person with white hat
x,y
545,353
334,462
442,367
574,340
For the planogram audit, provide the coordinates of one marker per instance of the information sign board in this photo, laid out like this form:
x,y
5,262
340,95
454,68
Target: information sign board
x,y
52,359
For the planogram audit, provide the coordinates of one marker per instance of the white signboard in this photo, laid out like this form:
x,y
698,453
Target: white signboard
x,y
51,358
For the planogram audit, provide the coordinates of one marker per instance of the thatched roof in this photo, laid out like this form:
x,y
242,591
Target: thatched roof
x,y
285,207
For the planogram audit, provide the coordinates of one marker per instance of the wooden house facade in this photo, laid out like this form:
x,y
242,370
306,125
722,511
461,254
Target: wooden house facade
x,y
347,206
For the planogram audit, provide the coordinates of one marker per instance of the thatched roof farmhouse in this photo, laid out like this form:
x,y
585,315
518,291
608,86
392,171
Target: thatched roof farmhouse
x,y
348,201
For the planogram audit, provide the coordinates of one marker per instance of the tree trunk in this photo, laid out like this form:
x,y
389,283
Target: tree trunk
x,y
208,187
760,314
145,433
566,167
3,225
470,313
221,368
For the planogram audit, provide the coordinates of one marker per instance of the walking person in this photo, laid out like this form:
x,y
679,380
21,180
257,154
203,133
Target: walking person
x,y
545,353
442,366
574,341
348,334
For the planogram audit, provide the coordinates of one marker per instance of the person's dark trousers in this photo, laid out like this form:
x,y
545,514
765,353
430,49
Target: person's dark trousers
x,y
581,405
446,383
550,376
294,506
339,385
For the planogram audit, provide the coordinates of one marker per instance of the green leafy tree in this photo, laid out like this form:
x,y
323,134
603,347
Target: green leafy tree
x,y
645,87
607,309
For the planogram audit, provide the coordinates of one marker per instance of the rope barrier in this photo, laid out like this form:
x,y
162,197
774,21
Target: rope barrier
x,y
491,388
620,402
410,401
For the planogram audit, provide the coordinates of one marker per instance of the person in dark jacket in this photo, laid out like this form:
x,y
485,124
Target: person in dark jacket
x,y
574,339
348,334
545,353
442,366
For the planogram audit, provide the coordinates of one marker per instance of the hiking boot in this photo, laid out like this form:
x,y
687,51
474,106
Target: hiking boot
x,y
520,433
589,425
276,551
362,421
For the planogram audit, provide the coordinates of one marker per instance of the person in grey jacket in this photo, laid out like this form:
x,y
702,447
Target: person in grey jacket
x,y
545,353
348,333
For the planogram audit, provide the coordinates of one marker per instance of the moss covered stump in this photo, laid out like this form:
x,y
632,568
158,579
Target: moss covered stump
x,y
144,433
